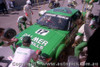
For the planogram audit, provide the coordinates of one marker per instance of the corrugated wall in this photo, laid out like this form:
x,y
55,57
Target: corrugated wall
x,y
23,2
20,2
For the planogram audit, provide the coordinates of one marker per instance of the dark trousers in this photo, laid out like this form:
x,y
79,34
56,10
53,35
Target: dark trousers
x,y
6,61
3,8
99,1
20,26
82,1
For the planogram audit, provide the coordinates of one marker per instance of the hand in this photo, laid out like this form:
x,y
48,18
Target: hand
x,y
26,14
17,23
35,59
38,52
14,39
91,2
74,45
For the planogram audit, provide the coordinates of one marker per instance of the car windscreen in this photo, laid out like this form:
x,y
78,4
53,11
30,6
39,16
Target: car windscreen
x,y
54,21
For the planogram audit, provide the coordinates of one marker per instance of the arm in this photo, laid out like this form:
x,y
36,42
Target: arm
x,y
92,22
25,10
77,39
31,10
79,36
36,55
91,1
35,59
9,42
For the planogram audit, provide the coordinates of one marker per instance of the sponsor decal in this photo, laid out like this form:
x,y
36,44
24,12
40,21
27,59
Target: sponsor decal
x,y
42,32
36,41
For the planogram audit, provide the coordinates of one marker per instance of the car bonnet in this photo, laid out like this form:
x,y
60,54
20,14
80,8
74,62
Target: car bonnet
x,y
43,38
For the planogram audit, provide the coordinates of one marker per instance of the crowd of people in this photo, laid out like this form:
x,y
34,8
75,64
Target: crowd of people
x,y
5,5
85,39
88,33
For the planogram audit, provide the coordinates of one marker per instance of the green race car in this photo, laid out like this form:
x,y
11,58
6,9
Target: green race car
x,y
54,31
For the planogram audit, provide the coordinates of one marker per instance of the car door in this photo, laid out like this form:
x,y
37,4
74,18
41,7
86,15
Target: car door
x,y
73,29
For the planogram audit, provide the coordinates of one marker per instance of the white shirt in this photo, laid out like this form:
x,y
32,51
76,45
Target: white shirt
x,y
92,21
22,57
69,1
27,9
82,31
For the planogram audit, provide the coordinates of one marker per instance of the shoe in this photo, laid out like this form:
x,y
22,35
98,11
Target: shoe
x,y
1,57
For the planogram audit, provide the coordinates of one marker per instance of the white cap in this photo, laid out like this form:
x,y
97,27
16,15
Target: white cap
x,y
28,2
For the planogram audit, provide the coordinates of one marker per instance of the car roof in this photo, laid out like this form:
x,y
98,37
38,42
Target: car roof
x,y
64,11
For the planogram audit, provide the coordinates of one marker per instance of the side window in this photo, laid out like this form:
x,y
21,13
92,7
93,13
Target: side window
x,y
72,25
76,16
67,27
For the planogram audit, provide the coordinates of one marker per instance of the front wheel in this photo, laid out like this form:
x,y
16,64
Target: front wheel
x,y
61,59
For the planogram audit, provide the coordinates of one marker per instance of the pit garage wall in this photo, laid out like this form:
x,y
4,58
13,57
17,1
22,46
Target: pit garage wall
x,y
23,2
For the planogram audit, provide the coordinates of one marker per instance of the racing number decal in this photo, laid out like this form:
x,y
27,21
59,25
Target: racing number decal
x,y
42,32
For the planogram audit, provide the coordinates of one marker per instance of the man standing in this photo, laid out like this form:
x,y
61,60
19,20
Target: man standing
x,y
12,3
99,2
24,54
8,4
3,7
89,7
28,11
21,21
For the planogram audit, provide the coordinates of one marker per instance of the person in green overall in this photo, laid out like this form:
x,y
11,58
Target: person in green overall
x,y
84,33
21,21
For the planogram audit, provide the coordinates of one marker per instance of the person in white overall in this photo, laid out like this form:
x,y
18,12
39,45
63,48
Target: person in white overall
x,y
24,54
28,11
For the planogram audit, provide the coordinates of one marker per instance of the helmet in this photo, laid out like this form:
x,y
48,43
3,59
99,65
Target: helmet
x,y
28,2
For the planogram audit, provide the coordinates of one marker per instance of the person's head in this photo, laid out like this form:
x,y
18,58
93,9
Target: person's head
x,y
1,31
28,2
26,41
90,16
24,18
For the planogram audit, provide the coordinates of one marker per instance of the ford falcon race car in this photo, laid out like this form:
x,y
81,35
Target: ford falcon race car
x,y
52,33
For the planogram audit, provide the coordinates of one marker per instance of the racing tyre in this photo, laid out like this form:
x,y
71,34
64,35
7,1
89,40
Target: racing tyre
x,y
9,33
61,59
